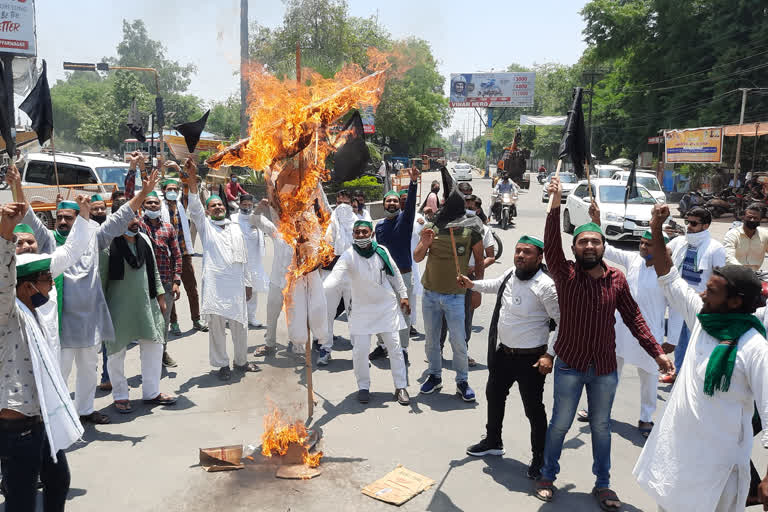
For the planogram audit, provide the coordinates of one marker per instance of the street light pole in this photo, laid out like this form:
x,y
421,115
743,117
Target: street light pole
x,y
737,163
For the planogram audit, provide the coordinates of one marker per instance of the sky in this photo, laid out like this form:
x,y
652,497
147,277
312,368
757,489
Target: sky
x,y
465,36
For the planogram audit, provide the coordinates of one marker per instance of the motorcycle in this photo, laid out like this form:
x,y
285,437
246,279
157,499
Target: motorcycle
x,y
542,177
505,208
692,200
3,183
725,202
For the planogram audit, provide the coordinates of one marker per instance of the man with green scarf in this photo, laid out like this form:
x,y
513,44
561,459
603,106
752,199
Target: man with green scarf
x,y
380,300
697,458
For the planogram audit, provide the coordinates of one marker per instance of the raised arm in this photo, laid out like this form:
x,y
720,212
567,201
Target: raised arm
x,y
10,215
553,243
78,240
405,220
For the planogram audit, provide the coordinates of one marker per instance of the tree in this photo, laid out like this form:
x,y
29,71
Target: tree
x,y
224,120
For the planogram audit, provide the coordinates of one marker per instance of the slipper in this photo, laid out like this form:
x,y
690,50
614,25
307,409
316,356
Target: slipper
x,y
645,431
162,399
582,415
604,495
544,485
247,367
123,406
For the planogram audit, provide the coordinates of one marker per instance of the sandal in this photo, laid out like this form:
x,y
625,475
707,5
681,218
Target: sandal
x,y
247,367
162,399
603,496
123,406
645,431
544,485
96,418
264,350
582,415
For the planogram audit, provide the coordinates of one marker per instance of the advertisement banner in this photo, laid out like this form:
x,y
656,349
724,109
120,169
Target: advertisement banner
x,y
492,89
694,146
367,115
17,28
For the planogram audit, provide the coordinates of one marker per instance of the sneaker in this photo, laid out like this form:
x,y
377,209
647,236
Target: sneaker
x,y
486,447
534,468
401,395
168,361
324,358
225,373
405,357
463,389
175,329
363,396
413,332
377,353
431,385
200,325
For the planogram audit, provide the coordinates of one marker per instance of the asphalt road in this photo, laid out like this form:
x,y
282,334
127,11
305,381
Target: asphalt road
x,y
148,461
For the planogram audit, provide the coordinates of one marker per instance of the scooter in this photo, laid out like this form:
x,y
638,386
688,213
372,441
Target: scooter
x,y
690,200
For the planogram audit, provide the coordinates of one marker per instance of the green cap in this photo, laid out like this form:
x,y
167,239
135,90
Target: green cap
x,y
403,192
96,197
525,239
23,228
213,196
648,236
391,193
169,181
68,205
153,194
29,264
590,227
366,223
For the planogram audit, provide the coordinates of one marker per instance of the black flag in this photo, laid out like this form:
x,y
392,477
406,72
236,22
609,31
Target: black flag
x,y
135,124
631,191
192,131
7,125
574,143
38,107
350,159
453,207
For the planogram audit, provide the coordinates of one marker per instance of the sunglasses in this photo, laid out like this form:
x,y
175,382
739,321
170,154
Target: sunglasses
x,y
692,223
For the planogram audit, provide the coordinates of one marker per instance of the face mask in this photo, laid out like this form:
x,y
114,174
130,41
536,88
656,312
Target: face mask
x,y
470,213
648,257
362,242
234,180
752,224
696,239
246,211
391,214
220,220
152,214
99,218
171,195
38,299
130,233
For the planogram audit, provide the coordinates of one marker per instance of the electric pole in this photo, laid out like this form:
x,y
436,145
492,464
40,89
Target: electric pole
x,y
594,74
243,68
737,163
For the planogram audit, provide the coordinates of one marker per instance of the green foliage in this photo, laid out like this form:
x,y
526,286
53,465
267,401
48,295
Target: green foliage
x,y
225,118
362,181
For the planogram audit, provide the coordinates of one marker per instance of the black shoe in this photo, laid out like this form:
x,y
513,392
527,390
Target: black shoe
x,y
401,395
534,468
405,357
377,353
486,447
225,373
413,332
363,396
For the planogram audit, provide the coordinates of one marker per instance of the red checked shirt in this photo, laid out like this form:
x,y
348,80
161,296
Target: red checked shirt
x,y
587,306
166,247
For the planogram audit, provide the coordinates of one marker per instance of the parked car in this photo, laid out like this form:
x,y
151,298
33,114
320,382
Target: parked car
x,y
646,179
606,171
618,224
569,181
462,172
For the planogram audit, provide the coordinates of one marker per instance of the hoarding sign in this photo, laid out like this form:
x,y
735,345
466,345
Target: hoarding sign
x,y
492,89
367,116
655,140
17,28
696,145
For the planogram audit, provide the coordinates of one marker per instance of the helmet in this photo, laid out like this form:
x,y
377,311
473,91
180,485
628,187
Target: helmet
x,y
459,80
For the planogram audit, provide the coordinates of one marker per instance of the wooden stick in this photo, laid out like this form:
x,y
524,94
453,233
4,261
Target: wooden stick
x,y
455,256
557,175
55,167
589,183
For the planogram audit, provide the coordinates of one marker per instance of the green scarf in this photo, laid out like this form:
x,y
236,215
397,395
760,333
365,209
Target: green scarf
x,y
374,248
725,327
59,280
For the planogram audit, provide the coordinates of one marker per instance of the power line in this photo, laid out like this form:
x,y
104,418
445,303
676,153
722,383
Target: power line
x,y
696,82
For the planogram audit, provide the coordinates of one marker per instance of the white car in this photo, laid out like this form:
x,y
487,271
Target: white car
x,y
462,172
569,182
606,171
646,179
617,224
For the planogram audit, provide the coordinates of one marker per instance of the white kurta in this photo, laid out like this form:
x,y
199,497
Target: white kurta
x,y
701,440
645,289
711,254
256,246
85,318
418,288
339,230
225,266
375,295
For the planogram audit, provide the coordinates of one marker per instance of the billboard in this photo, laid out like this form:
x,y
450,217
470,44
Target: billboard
x,y
694,146
17,28
492,89
369,121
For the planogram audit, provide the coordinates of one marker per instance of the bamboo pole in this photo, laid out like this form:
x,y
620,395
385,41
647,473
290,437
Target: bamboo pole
x,y
455,256
589,183
557,175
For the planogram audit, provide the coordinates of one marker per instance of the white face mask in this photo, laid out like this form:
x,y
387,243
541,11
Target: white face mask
x,y
696,239
222,222
171,195
470,213
131,233
363,242
153,214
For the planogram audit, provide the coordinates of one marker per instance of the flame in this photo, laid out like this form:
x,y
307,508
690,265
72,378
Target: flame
x,y
289,119
279,434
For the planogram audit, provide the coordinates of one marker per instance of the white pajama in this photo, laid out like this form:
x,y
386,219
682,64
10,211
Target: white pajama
x,y
253,308
307,305
87,361
274,307
361,344
151,355
648,387
729,499
217,342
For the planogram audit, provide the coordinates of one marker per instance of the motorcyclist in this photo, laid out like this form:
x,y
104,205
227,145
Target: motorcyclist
x,y
504,186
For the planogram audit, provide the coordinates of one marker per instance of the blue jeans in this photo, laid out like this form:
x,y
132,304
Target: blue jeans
x,y
433,306
681,347
600,392
104,372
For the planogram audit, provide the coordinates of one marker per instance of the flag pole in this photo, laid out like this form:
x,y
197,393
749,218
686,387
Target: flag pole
x,y
55,167
557,175
589,182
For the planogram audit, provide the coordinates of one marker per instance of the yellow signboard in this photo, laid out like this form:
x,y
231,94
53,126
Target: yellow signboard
x,y
695,145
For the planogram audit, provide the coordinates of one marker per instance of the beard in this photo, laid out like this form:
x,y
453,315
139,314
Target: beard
x,y
589,262
525,274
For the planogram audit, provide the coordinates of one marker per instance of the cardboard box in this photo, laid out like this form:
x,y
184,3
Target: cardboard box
x,y
222,458
398,486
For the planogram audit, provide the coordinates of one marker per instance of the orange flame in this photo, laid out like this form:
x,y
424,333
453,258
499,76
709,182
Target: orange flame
x,y
280,434
288,119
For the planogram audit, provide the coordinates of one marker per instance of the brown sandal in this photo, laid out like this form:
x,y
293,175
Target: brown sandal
x,y
544,485
123,406
603,496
